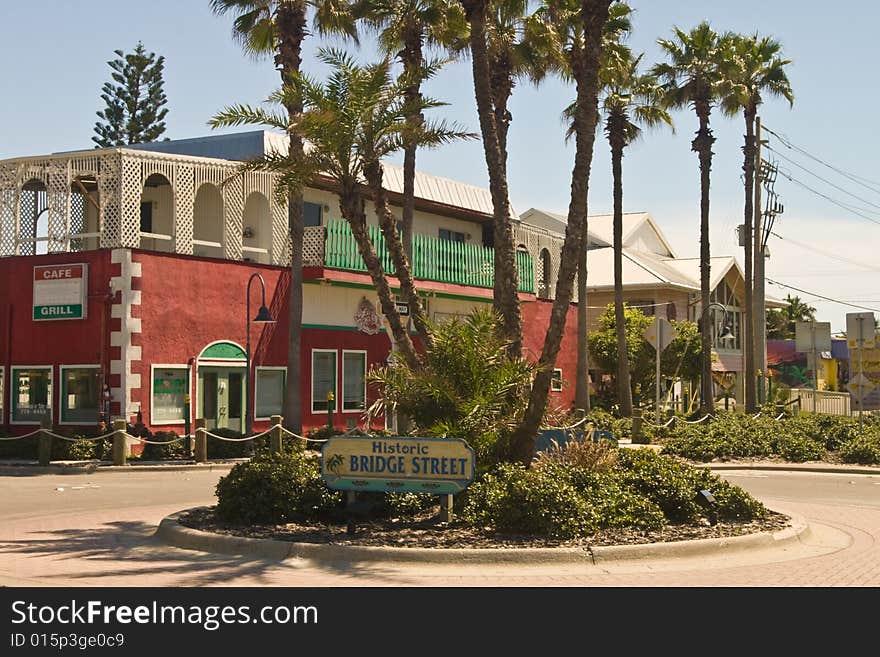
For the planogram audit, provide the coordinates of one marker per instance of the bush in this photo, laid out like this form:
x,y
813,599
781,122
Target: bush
x,y
512,499
172,449
223,449
593,457
272,489
865,449
670,484
614,504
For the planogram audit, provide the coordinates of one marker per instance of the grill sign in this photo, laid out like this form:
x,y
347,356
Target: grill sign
x,y
441,466
60,292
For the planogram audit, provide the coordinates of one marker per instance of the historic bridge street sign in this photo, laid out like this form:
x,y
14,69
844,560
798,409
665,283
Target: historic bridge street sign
x,y
440,466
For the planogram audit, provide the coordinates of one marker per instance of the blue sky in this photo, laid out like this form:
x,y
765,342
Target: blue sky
x,y
53,58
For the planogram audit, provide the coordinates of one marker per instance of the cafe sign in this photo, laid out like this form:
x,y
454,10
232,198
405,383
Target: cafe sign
x,y
440,466
60,292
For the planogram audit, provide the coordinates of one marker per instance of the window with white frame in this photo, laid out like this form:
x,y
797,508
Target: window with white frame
x,y
269,391
80,394
31,393
556,381
354,384
323,379
170,385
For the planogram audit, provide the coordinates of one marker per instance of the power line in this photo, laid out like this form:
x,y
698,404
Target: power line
x,y
819,296
839,204
827,254
825,180
859,180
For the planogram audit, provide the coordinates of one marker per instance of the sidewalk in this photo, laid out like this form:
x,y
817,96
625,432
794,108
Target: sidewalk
x,y
20,466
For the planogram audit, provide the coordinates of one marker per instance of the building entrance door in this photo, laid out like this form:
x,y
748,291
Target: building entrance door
x,y
221,397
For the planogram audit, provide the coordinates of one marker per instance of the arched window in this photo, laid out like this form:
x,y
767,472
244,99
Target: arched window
x,y
257,229
33,218
157,214
208,222
546,271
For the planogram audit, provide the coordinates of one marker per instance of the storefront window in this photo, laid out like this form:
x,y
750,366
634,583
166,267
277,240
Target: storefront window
x,y
80,395
269,392
323,379
354,387
556,381
31,395
169,387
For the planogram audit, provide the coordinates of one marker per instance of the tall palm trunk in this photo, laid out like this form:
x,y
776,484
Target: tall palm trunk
x,y
582,368
351,204
291,21
413,62
624,389
585,69
749,346
702,145
506,294
387,222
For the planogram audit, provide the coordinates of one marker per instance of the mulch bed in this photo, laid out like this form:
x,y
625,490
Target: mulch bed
x,y
428,532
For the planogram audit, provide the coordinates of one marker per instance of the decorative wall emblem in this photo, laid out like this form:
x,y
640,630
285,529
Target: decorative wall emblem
x,y
366,318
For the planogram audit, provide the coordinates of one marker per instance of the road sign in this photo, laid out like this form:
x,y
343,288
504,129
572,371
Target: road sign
x,y
860,330
860,385
660,331
812,336
440,466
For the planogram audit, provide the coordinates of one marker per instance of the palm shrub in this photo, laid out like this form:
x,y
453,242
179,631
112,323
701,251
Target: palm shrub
x,y
468,387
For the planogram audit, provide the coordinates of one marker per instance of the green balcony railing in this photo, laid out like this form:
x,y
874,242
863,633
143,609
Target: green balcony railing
x,y
433,259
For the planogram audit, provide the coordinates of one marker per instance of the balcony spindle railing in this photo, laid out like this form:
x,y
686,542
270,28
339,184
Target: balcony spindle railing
x,y
434,259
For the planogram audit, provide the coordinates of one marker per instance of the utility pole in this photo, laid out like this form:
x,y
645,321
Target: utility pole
x,y
746,242
757,310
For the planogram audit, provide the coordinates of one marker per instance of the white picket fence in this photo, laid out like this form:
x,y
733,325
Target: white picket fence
x,y
830,403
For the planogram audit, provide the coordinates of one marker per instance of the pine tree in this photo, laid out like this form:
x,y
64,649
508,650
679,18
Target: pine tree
x,y
134,99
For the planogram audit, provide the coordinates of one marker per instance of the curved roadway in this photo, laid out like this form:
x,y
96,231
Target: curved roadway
x,y
97,530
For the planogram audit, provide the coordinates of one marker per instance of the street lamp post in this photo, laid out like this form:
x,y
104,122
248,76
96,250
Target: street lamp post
x,y
263,317
725,334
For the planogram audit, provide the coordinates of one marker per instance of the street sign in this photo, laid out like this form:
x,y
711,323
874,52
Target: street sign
x,y
439,466
860,330
860,385
812,336
660,331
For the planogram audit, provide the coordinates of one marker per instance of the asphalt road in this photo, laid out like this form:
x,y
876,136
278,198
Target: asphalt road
x,y
97,530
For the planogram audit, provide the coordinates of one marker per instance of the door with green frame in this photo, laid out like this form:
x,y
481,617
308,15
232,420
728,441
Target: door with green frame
x,y
222,397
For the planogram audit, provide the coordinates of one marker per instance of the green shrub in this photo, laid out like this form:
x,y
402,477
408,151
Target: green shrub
x,y
224,449
733,502
172,449
615,504
512,499
272,489
798,448
865,449
668,483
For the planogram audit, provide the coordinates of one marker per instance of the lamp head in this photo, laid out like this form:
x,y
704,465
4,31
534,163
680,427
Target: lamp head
x,y
263,316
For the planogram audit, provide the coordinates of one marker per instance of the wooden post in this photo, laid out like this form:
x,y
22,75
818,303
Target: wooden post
x,y
638,436
275,436
201,453
119,442
44,446
446,508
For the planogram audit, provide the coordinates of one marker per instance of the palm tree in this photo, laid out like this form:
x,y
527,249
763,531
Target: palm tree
x,y
277,28
694,76
629,99
781,323
617,28
350,122
405,28
575,28
759,69
505,289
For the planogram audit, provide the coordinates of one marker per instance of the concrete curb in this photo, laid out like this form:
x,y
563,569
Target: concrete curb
x,y
795,467
171,532
25,467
